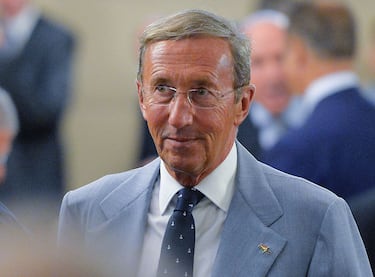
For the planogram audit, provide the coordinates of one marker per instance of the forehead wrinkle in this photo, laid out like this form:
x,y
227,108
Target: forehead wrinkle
x,y
186,63
185,75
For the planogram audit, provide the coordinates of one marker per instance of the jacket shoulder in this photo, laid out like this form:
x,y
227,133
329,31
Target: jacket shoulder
x,y
99,189
297,189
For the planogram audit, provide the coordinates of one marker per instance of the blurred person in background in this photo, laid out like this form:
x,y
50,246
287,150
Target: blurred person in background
x,y
38,257
35,69
274,108
8,130
334,145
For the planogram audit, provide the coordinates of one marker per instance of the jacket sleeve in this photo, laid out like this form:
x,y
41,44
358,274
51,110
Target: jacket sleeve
x,y
339,250
70,233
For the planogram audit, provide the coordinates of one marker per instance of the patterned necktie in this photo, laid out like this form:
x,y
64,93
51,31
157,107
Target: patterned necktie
x,y
177,250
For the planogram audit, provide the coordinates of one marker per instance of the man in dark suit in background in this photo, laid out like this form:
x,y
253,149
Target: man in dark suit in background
x,y
274,107
35,68
334,145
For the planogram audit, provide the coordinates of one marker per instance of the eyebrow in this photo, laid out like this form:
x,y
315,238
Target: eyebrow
x,y
194,81
159,80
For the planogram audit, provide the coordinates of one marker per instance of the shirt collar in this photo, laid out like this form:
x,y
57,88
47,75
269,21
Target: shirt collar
x,y
218,186
21,26
259,115
262,118
324,87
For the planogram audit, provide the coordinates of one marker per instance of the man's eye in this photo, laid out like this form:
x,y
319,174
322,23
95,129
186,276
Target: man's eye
x,y
201,92
162,89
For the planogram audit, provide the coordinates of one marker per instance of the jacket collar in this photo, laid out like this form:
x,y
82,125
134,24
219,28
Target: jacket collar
x,y
131,189
248,242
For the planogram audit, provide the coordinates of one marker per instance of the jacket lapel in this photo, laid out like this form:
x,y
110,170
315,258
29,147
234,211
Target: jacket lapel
x,y
125,209
248,245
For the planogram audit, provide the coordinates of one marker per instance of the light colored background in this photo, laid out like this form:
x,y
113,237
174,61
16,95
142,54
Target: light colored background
x,y
102,125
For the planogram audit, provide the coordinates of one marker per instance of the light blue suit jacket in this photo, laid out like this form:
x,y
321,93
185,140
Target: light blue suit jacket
x,y
277,224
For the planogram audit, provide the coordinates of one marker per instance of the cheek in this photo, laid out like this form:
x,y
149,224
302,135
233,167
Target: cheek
x,y
219,122
155,117
288,66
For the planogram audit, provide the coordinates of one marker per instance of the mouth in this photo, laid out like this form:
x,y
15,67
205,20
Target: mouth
x,y
180,139
179,142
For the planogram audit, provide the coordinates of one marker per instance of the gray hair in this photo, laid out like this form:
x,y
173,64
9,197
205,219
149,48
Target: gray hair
x,y
193,23
274,17
8,114
327,28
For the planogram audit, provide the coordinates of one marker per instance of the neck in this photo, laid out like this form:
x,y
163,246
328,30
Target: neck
x,y
319,67
184,178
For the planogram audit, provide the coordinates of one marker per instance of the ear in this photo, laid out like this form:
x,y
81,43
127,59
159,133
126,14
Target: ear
x,y
243,105
141,100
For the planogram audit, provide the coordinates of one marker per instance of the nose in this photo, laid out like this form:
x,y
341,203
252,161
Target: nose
x,y
180,111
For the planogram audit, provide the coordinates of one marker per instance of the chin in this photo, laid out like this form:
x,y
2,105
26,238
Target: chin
x,y
185,166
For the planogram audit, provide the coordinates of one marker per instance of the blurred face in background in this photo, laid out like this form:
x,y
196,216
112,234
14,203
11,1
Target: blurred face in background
x,y
9,8
268,48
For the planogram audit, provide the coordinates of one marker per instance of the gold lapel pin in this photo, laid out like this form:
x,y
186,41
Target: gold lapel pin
x,y
264,248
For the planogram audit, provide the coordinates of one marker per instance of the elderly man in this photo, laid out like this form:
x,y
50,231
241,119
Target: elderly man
x,y
206,207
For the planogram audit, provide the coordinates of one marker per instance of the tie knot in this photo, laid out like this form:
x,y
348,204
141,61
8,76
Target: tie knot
x,y
187,199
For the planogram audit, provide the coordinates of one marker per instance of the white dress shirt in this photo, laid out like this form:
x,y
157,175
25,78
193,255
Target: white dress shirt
x,y
322,88
18,29
209,216
272,128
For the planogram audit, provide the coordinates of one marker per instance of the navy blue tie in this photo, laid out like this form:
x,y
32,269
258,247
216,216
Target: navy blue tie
x,y
177,250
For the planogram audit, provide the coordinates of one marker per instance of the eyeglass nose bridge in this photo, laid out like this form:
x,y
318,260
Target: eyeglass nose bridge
x,y
176,92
